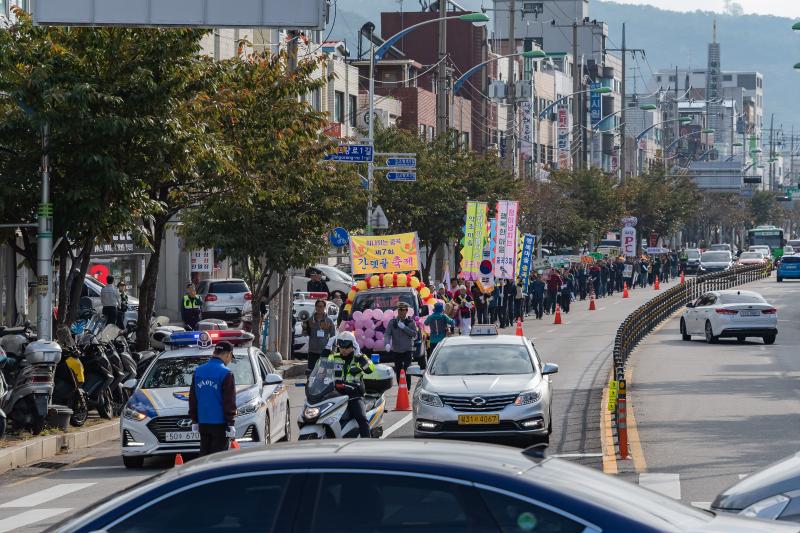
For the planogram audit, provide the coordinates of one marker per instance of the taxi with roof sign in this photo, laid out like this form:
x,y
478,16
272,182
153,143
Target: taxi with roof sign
x,y
155,420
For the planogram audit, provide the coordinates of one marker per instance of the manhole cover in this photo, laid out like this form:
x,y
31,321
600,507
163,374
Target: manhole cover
x,y
48,465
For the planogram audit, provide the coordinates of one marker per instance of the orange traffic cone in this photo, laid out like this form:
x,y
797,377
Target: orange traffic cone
x,y
625,290
519,328
234,445
178,459
402,394
591,303
683,277
657,285
558,315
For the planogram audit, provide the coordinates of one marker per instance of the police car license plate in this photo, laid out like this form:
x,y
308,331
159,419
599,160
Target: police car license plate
x,y
231,310
177,436
478,419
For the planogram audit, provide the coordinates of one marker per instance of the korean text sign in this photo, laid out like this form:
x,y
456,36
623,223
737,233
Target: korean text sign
x,y
528,244
474,235
505,259
384,253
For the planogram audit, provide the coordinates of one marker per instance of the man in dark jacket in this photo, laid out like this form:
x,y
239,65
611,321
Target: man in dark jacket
x,y
509,295
212,401
316,283
553,289
537,295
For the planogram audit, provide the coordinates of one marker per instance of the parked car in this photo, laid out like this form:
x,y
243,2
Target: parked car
x,y
224,298
715,261
732,314
789,267
403,485
338,281
772,493
92,287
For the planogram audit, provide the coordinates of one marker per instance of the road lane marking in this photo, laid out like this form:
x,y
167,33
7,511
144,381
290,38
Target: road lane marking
x,y
742,476
29,517
403,421
617,302
51,493
666,484
575,455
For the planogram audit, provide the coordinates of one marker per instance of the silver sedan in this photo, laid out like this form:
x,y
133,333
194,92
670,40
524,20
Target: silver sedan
x,y
484,386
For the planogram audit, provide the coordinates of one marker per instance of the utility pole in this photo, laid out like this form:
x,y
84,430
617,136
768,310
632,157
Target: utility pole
x,y
577,74
371,121
44,287
623,89
441,76
771,152
511,133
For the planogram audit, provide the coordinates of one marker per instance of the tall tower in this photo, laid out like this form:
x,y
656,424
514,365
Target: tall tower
x,y
714,105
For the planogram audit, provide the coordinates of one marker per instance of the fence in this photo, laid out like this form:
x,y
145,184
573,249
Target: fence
x,y
644,319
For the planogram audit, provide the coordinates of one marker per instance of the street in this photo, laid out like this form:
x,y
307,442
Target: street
x,y
708,415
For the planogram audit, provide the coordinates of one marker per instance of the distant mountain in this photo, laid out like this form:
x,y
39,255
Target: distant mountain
x,y
671,38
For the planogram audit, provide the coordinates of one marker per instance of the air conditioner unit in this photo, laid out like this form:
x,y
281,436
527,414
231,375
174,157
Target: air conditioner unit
x,y
498,90
381,116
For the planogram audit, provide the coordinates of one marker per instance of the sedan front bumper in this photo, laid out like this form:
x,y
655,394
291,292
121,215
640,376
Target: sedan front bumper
x,y
530,420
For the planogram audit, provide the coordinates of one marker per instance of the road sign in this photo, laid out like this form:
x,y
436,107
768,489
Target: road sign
x,y
612,395
352,153
378,219
401,176
407,162
339,237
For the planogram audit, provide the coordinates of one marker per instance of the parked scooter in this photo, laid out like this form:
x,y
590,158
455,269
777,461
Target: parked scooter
x,y
325,414
3,391
97,369
69,378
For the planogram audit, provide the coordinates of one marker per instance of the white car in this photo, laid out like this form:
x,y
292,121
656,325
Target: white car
x,y
155,420
732,313
303,308
338,281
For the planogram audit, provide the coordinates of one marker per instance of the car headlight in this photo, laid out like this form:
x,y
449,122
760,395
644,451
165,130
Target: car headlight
x,y
132,414
250,407
768,508
528,397
429,398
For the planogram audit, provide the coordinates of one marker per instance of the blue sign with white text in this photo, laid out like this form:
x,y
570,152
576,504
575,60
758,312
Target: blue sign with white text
x,y
339,237
409,162
596,104
401,176
353,153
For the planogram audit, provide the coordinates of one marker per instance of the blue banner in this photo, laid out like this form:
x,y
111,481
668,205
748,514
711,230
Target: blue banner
x,y
528,246
595,104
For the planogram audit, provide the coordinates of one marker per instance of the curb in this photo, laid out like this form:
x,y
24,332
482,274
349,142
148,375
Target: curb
x,y
40,448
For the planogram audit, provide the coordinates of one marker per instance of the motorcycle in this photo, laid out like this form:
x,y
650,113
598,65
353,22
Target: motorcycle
x,y
3,390
69,378
325,414
99,374
160,330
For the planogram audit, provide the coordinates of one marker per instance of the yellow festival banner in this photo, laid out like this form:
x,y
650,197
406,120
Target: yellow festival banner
x,y
384,253
475,233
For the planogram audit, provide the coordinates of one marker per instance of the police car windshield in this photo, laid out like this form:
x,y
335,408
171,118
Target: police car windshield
x,y
173,372
492,359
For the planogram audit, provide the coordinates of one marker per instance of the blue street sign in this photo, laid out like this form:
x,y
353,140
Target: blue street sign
x,y
353,153
401,176
339,237
596,104
408,162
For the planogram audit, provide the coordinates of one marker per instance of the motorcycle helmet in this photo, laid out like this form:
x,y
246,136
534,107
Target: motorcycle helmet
x,y
346,340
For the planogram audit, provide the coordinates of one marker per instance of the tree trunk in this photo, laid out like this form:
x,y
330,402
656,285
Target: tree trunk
x,y
429,254
61,299
147,289
75,280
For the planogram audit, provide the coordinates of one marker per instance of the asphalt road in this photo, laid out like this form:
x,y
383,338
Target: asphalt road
x,y
708,415
34,498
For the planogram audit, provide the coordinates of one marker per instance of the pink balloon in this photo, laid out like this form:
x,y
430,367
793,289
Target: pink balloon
x,y
410,312
377,314
369,334
358,315
368,313
369,343
378,337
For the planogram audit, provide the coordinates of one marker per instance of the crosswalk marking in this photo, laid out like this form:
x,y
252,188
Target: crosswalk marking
x,y
666,484
29,517
51,493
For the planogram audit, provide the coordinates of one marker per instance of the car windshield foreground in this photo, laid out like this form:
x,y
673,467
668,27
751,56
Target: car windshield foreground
x,y
502,359
174,372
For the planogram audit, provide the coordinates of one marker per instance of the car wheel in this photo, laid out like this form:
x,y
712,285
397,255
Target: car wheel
x,y
685,336
550,425
710,338
267,432
769,339
132,462
287,426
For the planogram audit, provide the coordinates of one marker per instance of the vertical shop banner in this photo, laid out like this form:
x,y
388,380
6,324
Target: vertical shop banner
x,y
628,237
528,246
526,124
564,158
595,104
505,259
474,237
202,260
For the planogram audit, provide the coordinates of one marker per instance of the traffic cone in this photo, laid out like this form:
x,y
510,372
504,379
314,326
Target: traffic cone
x,y
558,315
683,277
519,328
402,394
234,445
591,303
657,285
625,290
178,459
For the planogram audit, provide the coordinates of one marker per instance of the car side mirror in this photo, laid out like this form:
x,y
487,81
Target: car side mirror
x,y
414,370
273,379
549,368
130,384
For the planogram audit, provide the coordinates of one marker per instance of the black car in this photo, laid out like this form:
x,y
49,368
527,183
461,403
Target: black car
x,y
691,262
772,493
391,486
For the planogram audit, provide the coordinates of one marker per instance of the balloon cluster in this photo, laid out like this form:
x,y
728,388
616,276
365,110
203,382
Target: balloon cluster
x,y
390,280
370,326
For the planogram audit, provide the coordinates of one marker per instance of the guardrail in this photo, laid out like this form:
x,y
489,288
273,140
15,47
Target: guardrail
x,y
645,319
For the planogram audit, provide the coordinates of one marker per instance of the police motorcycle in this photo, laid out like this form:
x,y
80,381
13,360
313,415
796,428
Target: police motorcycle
x,y
160,332
325,414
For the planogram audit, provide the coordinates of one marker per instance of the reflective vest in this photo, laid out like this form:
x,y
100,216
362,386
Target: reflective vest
x,y
342,368
191,302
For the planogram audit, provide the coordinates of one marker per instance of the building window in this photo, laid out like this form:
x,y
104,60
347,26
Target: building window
x,y
352,110
727,77
338,107
658,79
316,100
465,140
423,133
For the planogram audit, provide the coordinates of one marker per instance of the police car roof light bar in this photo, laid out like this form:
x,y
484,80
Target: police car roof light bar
x,y
237,337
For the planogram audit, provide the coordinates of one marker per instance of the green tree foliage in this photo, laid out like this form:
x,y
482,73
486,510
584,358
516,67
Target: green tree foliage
x,y
279,217
762,206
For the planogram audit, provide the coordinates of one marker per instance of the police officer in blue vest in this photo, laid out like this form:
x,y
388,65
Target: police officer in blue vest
x,y
212,401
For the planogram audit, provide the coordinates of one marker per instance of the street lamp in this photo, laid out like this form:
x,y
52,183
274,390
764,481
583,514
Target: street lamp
x,y
640,136
796,26
531,54
388,43
597,90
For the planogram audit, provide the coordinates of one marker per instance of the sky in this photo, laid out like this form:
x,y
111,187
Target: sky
x,y
785,8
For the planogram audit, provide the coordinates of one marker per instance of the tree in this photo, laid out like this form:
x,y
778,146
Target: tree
x,y
762,205
555,217
279,217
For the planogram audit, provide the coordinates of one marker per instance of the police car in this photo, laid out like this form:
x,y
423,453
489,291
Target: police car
x,y
155,420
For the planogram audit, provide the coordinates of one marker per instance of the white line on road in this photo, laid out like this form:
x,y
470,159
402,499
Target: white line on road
x,y
29,517
742,476
403,421
51,493
551,330
575,455
617,302
666,484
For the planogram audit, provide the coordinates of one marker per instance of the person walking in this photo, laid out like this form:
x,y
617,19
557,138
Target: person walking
x,y
509,295
319,328
499,292
537,296
481,312
401,332
212,401
494,299
619,272
123,304
109,298
566,291
581,277
440,325
464,303
553,288
519,302
191,308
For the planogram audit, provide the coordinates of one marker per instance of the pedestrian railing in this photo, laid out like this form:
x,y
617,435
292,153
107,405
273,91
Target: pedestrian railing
x,y
647,317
